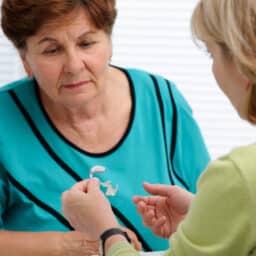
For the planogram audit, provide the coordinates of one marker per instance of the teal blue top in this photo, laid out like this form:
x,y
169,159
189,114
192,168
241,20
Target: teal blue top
x,y
162,144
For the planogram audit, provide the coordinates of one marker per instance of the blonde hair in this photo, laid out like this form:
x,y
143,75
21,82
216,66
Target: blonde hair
x,y
232,25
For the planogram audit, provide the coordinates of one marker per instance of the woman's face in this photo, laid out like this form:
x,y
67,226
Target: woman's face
x,y
232,82
70,62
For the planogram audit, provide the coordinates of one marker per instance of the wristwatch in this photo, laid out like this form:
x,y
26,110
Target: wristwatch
x,y
108,233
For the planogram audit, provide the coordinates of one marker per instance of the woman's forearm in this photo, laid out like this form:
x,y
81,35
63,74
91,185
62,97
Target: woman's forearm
x,y
29,243
46,244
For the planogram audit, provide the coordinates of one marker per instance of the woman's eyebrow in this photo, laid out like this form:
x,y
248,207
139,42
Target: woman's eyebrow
x,y
47,39
51,39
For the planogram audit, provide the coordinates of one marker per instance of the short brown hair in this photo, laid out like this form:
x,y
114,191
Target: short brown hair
x,y
23,18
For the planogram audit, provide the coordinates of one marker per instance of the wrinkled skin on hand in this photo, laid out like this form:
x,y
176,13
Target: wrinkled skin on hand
x,y
165,209
89,211
78,244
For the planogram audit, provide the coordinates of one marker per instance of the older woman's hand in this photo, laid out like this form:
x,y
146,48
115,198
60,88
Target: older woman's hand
x,y
75,243
87,208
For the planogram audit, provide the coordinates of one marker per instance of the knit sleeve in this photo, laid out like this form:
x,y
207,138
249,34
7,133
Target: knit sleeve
x,y
218,222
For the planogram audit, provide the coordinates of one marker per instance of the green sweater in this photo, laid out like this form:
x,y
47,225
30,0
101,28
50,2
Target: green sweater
x,y
222,217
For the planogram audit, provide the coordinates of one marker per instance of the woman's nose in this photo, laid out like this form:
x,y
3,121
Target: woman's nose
x,y
73,63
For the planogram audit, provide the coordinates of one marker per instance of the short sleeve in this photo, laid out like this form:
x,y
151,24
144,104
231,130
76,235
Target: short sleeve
x,y
218,222
3,194
191,156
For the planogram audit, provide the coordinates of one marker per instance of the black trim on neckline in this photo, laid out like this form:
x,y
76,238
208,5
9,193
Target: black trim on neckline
x,y
117,145
67,169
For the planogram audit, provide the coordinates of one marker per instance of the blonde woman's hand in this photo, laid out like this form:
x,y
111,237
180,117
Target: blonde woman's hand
x,y
163,211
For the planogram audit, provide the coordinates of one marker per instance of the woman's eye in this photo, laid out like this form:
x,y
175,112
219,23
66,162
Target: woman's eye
x,y
51,51
86,44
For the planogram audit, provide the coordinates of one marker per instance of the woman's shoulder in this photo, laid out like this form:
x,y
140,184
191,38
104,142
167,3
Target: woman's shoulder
x,y
243,153
15,85
244,158
236,168
143,80
9,93
146,82
141,74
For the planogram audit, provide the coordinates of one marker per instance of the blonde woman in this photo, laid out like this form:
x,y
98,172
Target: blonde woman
x,y
221,217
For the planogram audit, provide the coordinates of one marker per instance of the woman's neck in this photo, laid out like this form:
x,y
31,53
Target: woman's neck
x,y
112,102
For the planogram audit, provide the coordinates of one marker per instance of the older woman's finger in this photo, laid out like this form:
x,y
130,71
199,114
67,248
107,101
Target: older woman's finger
x,y
83,185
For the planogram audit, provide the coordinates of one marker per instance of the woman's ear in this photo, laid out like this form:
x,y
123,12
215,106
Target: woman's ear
x,y
25,63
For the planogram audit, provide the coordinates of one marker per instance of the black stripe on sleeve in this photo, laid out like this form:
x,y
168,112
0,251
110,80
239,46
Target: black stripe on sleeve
x,y
174,122
42,140
39,203
66,168
174,135
161,107
171,169
61,219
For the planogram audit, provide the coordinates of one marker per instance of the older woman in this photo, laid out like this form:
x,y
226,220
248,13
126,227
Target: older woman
x,y
221,219
76,115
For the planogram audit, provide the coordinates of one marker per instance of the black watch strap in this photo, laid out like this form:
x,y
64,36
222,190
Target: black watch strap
x,y
110,232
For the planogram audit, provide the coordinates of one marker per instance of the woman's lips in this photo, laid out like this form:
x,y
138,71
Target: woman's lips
x,y
76,85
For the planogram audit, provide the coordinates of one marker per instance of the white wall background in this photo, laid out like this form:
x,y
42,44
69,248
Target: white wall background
x,y
155,35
